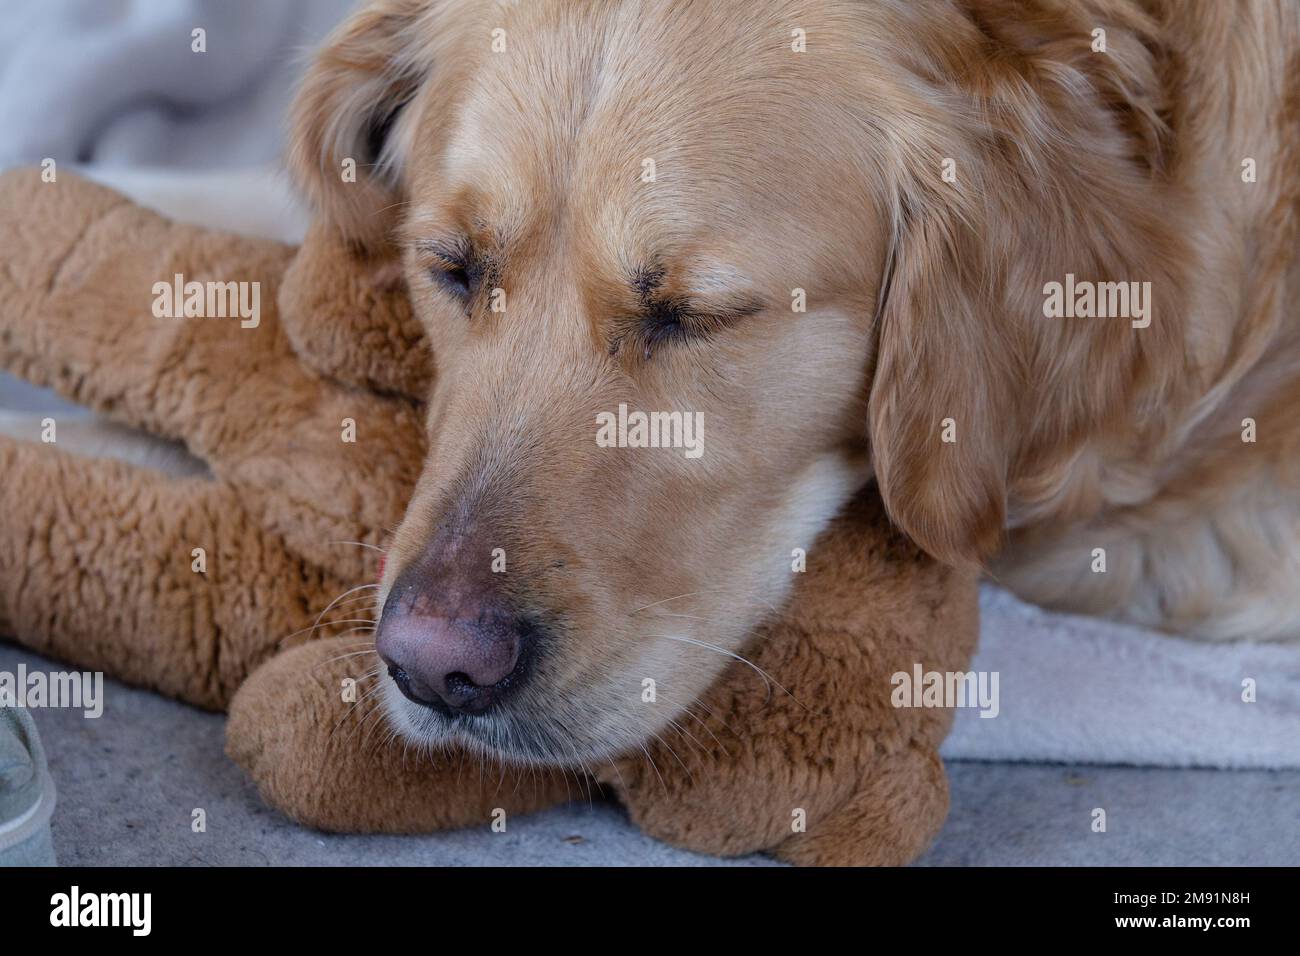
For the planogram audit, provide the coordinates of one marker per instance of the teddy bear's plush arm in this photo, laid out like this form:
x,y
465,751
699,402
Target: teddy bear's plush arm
x,y
78,299
332,761
78,313
98,557
167,583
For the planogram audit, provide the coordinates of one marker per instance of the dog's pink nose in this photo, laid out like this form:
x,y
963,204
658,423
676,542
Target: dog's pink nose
x,y
457,665
453,633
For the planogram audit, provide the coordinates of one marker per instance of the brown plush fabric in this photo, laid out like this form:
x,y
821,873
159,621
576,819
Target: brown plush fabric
x,y
361,329
866,774
95,558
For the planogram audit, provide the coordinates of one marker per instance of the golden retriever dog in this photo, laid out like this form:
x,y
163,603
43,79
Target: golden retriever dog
x,y
1031,267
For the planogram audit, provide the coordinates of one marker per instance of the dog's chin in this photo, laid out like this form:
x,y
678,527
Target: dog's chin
x,y
508,737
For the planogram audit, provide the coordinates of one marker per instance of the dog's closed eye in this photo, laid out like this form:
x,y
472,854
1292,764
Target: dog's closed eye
x,y
669,321
664,321
664,318
454,267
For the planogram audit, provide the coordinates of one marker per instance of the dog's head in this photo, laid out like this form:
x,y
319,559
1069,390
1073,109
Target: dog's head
x,y
690,277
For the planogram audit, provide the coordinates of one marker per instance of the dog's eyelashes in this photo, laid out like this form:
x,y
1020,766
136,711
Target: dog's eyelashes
x,y
456,279
666,316
663,322
453,265
460,275
669,321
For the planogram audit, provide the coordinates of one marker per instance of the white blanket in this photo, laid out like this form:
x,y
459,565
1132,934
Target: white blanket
x,y
118,83
104,81
1077,689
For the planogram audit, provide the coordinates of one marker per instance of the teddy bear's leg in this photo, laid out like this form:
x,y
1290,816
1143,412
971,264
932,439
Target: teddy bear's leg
x,y
755,763
123,311
78,313
889,821
166,583
309,728
855,784
820,760
820,768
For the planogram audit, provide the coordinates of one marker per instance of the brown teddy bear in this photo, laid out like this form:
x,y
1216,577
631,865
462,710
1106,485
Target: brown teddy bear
x,y
263,567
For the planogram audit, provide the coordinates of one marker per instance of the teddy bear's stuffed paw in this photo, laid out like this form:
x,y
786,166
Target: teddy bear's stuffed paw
x,y
888,821
348,314
309,728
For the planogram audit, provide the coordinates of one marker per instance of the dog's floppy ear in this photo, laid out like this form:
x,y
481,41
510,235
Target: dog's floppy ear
x,y
941,406
982,403
375,81
356,111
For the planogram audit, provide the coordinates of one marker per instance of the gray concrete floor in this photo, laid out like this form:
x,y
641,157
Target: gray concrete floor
x,y
129,781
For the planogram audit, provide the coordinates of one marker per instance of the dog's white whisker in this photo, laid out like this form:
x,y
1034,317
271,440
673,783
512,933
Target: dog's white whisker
x,y
343,657
767,678
354,605
360,728
363,544
676,597
653,766
663,743
367,696
359,587
689,736
350,620
695,717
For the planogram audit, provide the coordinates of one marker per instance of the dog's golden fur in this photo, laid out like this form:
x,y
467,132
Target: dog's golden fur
x,y
821,171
